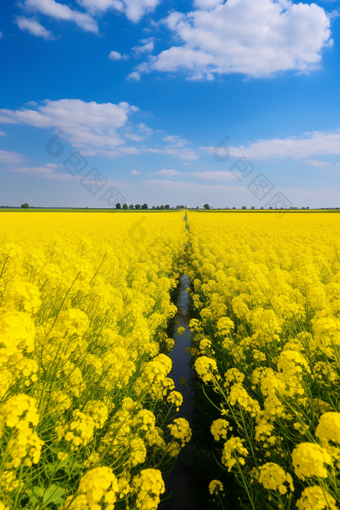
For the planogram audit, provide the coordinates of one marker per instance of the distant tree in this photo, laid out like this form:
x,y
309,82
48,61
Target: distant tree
x,y
197,207
153,207
125,206
131,206
137,206
157,207
167,206
270,208
118,206
162,207
234,207
252,207
261,207
244,207
145,206
25,205
206,206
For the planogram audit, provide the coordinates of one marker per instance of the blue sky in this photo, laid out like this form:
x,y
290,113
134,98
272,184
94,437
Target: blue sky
x,y
142,91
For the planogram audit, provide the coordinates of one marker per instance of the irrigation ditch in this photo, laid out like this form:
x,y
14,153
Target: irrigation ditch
x,y
187,484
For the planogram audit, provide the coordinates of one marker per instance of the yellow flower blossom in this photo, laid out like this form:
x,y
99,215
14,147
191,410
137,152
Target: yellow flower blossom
x,y
314,498
309,460
215,486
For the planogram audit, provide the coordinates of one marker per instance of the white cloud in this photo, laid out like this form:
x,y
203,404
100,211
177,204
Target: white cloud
x,y
175,141
46,172
91,125
146,130
134,9
10,157
2,133
146,47
115,55
95,129
167,173
128,150
318,163
33,27
135,172
257,39
186,154
134,137
134,76
59,11
143,132
214,176
315,144
176,148
0,35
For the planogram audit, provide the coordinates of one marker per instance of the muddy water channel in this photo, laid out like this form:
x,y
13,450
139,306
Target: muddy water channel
x,y
178,481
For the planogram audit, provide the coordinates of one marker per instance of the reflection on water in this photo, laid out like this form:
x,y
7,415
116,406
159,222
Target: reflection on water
x,y
180,359
177,481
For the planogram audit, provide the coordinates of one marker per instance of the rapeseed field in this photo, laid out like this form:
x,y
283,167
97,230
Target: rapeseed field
x,y
87,407
266,292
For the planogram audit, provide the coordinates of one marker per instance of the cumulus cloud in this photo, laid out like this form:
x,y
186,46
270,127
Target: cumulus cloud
x,y
2,133
134,137
10,157
135,172
96,129
141,132
115,55
175,141
133,9
134,76
315,144
33,27
90,125
146,130
167,173
257,39
62,12
146,46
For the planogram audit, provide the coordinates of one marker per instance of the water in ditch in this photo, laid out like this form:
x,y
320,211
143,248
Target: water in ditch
x,y
178,481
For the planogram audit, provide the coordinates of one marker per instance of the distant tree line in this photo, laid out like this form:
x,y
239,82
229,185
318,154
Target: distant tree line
x,y
138,206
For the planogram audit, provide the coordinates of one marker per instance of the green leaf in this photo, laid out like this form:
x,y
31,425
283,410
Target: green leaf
x,y
54,494
36,494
